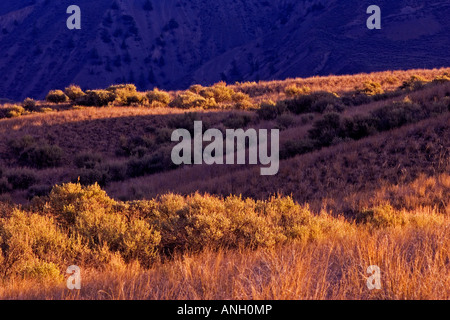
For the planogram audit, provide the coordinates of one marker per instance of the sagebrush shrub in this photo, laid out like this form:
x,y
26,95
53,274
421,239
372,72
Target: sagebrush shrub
x,y
21,178
20,144
158,96
30,105
295,147
5,186
88,160
314,102
444,78
96,98
29,237
219,92
74,92
100,222
325,130
56,96
382,216
127,94
42,271
414,83
157,161
398,114
188,100
15,111
136,145
285,121
41,156
87,177
370,88
270,110
359,126
293,90
38,191
237,121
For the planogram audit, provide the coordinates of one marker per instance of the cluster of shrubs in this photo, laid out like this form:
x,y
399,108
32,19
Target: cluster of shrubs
x,y
143,159
294,90
83,226
316,102
16,179
127,95
34,153
332,128
301,100
198,96
28,106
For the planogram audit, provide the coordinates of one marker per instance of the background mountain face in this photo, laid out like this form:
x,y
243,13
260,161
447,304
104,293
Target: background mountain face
x,y
172,44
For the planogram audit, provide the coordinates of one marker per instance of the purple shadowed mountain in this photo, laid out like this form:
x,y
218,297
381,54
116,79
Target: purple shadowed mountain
x,y
172,44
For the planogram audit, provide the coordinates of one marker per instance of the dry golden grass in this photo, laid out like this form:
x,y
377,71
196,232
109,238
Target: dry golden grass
x,y
414,263
389,80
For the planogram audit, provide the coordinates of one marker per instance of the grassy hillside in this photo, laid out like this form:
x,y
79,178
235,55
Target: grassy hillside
x,y
86,178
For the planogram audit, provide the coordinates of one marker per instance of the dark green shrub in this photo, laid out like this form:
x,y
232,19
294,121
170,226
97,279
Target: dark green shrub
x,y
91,176
292,148
21,178
398,114
307,118
56,96
41,156
185,121
326,101
285,121
314,102
359,127
270,110
41,190
20,144
87,160
149,164
163,135
237,121
116,171
136,146
325,130
5,186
